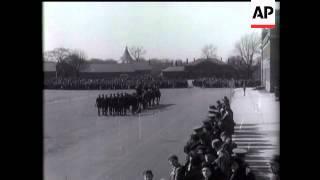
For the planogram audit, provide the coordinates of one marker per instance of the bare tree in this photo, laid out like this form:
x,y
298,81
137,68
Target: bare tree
x,y
248,47
57,55
137,52
78,61
209,51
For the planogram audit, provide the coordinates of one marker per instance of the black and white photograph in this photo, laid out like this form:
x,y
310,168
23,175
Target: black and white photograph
x,y
159,91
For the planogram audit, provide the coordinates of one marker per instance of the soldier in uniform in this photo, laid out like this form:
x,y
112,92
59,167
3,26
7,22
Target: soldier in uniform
x,y
219,105
227,121
98,104
193,167
139,89
106,105
126,103
111,107
117,104
103,103
113,104
121,104
223,160
135,103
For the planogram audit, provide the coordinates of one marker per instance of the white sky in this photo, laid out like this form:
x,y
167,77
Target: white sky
x,y
174,30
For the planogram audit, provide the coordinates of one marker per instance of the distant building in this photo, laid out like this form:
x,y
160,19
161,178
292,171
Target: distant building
x,y
115,70
200,68
211,67
271,56
235,60
174,72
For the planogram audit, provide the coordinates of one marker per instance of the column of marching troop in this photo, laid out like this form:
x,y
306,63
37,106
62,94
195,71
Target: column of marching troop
x,y
121,104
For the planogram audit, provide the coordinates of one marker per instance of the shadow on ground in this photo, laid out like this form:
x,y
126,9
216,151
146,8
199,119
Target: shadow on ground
x,y
152,110
160,107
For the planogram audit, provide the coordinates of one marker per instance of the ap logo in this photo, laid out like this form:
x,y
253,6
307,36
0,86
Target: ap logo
x,y
263,13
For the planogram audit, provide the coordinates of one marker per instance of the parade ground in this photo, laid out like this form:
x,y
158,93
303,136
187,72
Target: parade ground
x,y
80,145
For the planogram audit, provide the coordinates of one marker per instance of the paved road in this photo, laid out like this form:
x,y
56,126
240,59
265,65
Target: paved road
x,y
81,146
257,116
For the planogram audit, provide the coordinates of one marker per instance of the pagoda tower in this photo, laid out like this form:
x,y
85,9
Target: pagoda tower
x,y
126,58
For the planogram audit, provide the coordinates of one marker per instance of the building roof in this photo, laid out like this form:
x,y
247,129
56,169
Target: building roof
x,y
49,66
199,61
98,67
235,60
140,66
174,69
127,67
108,68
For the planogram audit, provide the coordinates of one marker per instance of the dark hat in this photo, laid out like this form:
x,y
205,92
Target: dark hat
x,y
212,107
147,172
206,122
197,128
194,137
173,157
202,147
208,127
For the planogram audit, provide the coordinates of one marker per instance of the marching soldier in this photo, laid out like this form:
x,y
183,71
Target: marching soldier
x,y
121,104
117,98
106,105
127,103
111,105
98,104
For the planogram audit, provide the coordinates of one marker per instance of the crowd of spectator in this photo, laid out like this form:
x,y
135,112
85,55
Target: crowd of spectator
x,y
115,83
132,82
210,152
223,83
